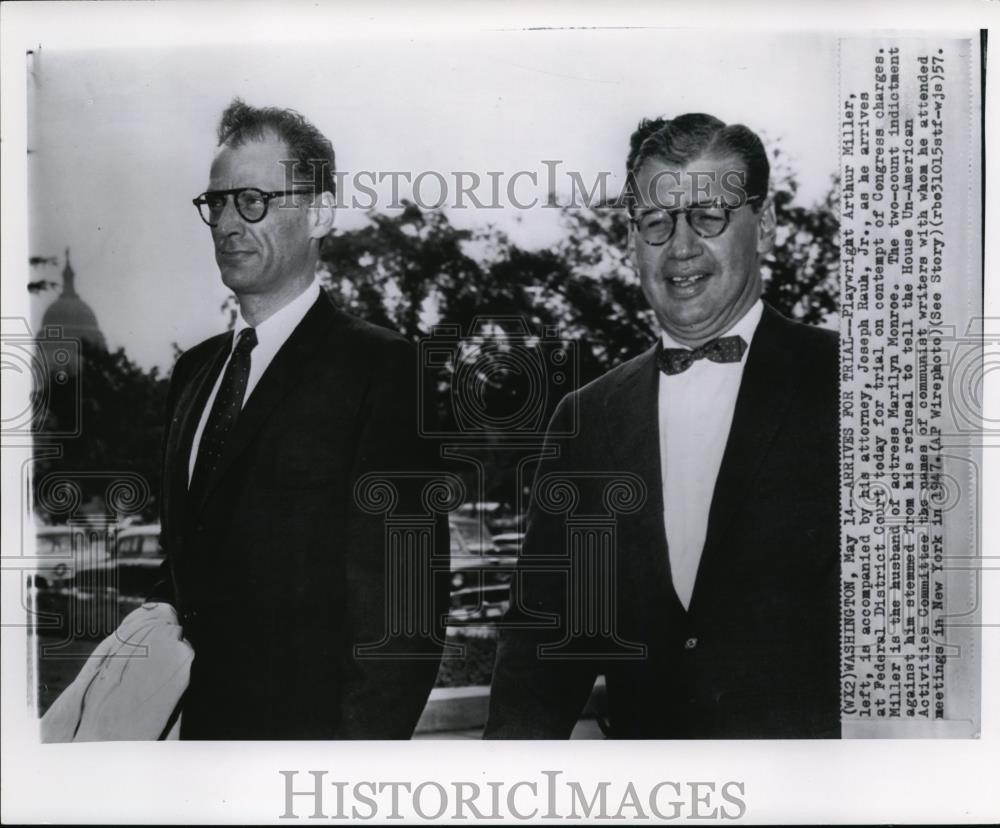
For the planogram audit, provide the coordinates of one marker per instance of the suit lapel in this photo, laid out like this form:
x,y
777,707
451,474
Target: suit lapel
x,y
765,392
288,368
190,406
633,432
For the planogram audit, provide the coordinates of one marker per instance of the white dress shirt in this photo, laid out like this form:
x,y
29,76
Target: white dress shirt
x,y
271,335
696,410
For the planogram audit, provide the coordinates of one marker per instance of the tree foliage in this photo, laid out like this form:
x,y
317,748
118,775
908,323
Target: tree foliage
x,y
106,419
802,273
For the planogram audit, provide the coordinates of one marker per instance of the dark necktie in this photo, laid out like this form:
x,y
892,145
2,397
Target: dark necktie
x,y
225,410
724,349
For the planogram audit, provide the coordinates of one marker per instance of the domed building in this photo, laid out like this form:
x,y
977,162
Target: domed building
x,y
71,314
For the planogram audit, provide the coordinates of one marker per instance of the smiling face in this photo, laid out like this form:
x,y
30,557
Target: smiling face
x,y
699,287
271,259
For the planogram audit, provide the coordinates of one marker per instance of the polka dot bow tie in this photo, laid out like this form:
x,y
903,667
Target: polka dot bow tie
x,y
723,349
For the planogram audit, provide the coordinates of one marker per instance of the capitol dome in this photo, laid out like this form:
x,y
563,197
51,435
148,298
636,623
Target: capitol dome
x,y
70,313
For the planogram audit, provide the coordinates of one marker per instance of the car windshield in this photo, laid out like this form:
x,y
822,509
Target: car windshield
x,y
54,546
144,545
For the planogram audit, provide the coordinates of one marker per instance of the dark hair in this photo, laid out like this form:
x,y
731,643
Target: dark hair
x,y
696,135
311,150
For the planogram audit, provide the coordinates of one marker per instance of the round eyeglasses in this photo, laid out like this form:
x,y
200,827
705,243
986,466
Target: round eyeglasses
x,y
251,203
656,227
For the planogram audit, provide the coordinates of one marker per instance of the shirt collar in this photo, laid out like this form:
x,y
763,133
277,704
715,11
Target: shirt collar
x,y
279,325
744,327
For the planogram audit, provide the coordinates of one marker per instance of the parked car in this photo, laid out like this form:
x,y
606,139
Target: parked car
x,y
105,591
137,560
101,595
480,571
63,551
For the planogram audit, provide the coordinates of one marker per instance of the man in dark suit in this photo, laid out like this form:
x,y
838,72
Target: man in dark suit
x,y
711,604
278,560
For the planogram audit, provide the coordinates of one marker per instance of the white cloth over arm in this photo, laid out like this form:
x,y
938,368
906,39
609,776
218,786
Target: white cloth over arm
x,y
130,686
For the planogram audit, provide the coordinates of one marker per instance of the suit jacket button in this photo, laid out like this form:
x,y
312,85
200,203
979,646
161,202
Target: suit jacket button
x,y
691,643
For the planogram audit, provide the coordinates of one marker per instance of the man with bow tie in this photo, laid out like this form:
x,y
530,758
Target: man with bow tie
x,y
281,571
714,613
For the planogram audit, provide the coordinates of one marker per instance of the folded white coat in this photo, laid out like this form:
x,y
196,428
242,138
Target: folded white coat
x,y
130,687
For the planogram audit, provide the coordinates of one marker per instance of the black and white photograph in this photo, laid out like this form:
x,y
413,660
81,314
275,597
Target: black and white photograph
x,y
486,417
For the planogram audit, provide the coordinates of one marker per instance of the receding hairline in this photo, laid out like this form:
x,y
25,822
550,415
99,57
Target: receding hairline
x,y
266,136
262,135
